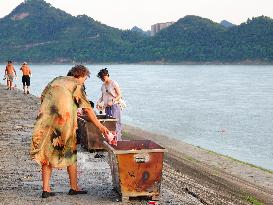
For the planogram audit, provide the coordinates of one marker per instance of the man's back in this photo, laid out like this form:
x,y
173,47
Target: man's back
x,y
26,70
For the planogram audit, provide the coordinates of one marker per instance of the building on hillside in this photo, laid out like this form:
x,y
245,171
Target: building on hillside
x,y
159,26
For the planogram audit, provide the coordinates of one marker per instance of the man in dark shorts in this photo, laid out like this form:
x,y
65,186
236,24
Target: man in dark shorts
x,y
26,77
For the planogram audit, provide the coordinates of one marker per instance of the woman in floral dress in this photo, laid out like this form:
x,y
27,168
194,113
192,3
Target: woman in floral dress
x,y
54,143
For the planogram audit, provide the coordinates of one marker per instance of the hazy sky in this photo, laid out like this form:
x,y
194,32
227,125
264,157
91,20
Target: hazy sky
x,y
125,14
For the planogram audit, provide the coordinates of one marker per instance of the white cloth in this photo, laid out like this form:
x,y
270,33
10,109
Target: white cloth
x,y
109,92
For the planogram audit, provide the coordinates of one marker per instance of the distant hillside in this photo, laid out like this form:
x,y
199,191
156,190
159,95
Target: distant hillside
x,y
252,40
38,32
197,39
139,30
191,38
35,31
38,21
226,24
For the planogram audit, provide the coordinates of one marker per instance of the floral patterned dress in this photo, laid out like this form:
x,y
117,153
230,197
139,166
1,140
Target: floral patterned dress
x,y
54,137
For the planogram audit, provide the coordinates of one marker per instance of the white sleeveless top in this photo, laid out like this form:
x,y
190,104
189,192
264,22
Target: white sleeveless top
x,y
109,92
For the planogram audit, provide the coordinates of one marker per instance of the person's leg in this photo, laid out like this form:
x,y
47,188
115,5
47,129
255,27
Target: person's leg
x,y
24,86
108,111
10,84
27,84
117,114
72,172
46,174
10,81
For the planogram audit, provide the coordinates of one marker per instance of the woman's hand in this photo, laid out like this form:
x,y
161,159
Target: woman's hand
x,y
110,103
100,106
93,118
104,130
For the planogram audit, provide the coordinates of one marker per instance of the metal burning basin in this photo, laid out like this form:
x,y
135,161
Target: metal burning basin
x,y
90,135
136,168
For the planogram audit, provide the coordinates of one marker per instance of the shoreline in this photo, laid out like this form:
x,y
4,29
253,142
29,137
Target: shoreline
x,y
168,137
198,154
201,148
191,175
246,62
256,181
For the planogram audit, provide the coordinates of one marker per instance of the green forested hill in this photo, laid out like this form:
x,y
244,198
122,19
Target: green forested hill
x,y
190,39
37,32
252,40
200,40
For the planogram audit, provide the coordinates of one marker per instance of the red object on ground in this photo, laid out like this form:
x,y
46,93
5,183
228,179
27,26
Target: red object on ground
x,y
152,203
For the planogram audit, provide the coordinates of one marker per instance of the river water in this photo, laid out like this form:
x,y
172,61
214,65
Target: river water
x,y
224,108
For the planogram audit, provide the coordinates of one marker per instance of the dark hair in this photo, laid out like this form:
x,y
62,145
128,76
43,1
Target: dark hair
x,y
91,103
9,61
102,73
79,71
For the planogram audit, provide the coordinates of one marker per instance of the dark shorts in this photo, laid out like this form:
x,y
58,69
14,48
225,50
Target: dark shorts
x,y
26,80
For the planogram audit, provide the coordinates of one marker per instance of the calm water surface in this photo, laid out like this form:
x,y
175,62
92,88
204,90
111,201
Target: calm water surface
x,y
227,109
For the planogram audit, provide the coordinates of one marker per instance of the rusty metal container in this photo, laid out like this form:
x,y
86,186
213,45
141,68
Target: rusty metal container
x,y
136,168
90,135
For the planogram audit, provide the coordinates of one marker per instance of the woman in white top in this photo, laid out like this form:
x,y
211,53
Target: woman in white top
x,y
109,99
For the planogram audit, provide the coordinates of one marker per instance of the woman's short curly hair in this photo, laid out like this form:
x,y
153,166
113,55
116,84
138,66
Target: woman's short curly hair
x,y
102,73
78,71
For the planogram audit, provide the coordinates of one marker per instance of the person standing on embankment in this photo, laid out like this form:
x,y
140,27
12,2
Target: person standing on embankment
x,y
110,96
26,77
10,73
54,143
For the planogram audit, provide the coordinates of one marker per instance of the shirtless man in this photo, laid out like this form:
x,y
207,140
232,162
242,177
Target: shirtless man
x,y
26,77
10,72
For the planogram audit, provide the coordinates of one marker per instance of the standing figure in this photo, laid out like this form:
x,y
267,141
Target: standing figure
x,y
26,77
10,73
111,94
54,142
